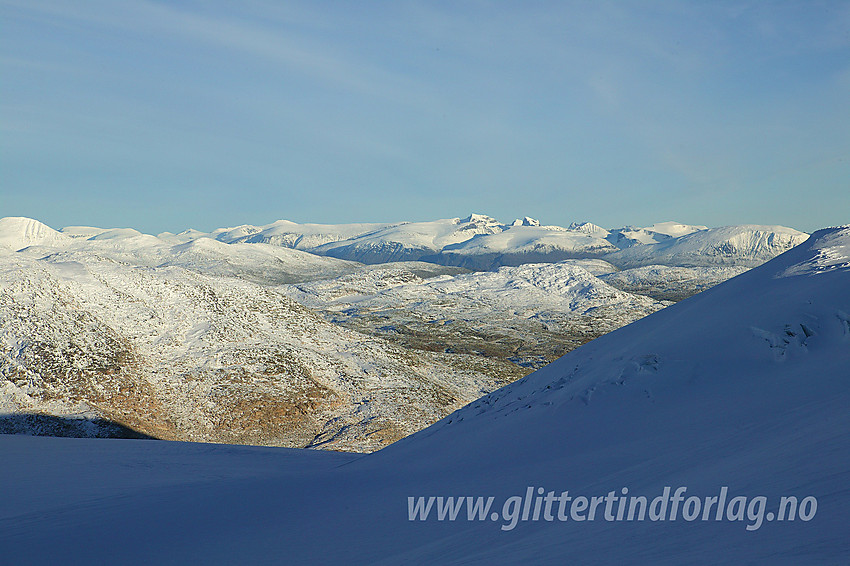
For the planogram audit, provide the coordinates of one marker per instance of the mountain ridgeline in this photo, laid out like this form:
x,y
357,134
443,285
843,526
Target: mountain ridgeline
x,y
347,337
480,242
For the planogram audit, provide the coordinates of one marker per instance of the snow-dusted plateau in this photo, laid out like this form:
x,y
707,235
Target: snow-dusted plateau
x,y
740,389
345,337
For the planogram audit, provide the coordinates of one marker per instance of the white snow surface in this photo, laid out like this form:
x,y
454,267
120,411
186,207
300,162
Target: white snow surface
x,y
674,229
411,240
476,242
745,245
18,232
531,290
744,386
260,262
529,238
84,232
659,232
589,228
293,235
524,244
526,221
830,252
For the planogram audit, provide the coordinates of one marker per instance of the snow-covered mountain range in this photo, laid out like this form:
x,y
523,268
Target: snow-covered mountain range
x,y
240,335
742,388
482,243
739,246
476,242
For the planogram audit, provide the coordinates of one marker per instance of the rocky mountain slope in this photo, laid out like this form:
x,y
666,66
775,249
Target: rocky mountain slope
x,y
183,355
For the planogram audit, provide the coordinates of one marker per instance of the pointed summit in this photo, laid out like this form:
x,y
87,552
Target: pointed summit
x,y
589,228
527,221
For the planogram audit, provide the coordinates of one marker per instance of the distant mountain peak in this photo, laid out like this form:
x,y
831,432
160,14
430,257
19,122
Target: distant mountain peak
x,y
589,228
18,232
674,229
526,221
479,218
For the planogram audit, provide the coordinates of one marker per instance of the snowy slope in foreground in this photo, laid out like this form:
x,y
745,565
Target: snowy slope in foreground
x,y
744,386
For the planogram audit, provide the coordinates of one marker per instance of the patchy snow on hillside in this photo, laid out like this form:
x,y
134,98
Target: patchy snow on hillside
x,y
529,314
197,356
669,283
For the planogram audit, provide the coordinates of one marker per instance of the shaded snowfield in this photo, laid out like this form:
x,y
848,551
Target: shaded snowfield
x,y
745,386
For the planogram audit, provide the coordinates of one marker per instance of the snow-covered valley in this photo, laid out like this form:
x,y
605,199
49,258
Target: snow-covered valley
x,y
530,314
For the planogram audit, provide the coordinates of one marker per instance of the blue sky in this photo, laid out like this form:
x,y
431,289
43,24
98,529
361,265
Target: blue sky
x,y
169,115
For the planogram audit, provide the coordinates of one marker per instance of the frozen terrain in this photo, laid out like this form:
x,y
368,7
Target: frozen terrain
x,y
667,283
193,336
740,246
530,315
259,262
743,386
287,234
182,354
517,245
658,232
482,243
411,240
